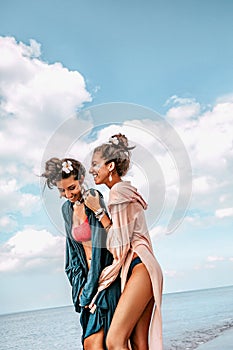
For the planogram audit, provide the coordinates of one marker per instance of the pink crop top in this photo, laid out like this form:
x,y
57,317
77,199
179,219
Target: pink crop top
x,y
82,233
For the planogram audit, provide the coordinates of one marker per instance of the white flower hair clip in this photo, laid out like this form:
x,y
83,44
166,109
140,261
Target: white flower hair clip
x,y
67,166
114,140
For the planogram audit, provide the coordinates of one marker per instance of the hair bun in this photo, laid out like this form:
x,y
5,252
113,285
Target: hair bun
x,y
120,140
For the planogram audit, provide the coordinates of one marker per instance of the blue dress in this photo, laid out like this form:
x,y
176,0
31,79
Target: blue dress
x,y
86,280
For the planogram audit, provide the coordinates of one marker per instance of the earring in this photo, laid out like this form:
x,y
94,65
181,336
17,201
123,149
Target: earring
x,y
110,177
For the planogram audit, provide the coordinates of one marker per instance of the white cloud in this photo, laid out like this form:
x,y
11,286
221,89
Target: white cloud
x,y
36,97
13,200
225,212
209,266
28,203
215,258
183,112
8,187
31,249
211,262
204,184
157,232
170,273
182,108
208,138
33,50
176,100
7,223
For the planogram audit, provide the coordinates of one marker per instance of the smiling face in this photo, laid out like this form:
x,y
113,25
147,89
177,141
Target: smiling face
x,y
99,169
70,188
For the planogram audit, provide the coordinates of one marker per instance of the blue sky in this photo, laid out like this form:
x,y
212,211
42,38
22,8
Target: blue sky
x,y
168,57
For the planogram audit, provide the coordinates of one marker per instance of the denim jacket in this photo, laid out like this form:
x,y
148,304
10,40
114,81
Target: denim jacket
x,y
86,280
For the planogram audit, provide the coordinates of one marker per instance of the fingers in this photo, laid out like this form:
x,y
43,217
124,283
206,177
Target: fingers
x,y
86,194
94,193
91,194
92,199
97,195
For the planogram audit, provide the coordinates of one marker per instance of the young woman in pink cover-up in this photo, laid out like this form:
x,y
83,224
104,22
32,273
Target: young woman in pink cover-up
x,y
137,321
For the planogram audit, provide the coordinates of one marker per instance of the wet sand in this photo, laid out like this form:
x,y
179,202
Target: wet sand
x,y
222,342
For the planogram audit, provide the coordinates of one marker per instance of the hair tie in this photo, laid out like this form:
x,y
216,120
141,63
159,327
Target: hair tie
x,y
114,140
117,142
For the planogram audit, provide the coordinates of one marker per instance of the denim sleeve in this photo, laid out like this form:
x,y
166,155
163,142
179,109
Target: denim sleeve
x,y
74,273
73,267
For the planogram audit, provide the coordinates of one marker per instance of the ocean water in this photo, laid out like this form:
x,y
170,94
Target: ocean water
x,y
189,319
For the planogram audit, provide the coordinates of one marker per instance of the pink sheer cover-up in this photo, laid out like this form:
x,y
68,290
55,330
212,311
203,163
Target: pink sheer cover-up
x,y
128,235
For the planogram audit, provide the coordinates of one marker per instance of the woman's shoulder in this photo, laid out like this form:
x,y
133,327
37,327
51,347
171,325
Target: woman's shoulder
x,y
122,188
66,205
123,192
66,210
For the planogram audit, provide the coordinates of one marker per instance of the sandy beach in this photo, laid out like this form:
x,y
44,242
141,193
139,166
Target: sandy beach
x,y
222,342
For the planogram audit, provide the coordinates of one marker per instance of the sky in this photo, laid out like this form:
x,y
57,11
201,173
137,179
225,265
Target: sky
x,y
72,73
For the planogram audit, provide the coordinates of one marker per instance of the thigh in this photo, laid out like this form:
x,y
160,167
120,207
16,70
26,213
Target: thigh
x,y
133,301
139,336
94,341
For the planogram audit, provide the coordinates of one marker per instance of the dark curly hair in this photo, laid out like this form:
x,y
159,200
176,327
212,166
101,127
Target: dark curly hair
x,y
117,151
54,172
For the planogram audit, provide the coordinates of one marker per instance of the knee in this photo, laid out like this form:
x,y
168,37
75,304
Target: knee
x,y
89,345
115,343
111,345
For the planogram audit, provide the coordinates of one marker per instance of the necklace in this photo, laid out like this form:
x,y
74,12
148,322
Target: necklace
x,y
79,202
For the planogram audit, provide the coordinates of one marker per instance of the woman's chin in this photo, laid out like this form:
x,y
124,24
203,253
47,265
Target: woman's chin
x,y
97,182
73,200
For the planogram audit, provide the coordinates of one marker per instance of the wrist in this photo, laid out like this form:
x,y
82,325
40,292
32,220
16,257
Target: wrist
x,y
108,226
99,213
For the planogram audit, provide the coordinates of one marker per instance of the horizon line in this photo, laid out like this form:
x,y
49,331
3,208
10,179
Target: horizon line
x,y
71,305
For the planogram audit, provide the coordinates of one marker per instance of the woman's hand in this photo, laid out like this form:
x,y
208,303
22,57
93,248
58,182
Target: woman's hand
x,y
92,201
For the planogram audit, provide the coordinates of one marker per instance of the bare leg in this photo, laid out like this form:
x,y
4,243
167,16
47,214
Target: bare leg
x,y
94,341
131,306
139,337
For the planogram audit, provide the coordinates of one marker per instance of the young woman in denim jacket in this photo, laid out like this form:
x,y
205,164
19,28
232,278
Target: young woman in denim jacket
x,y
86,253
